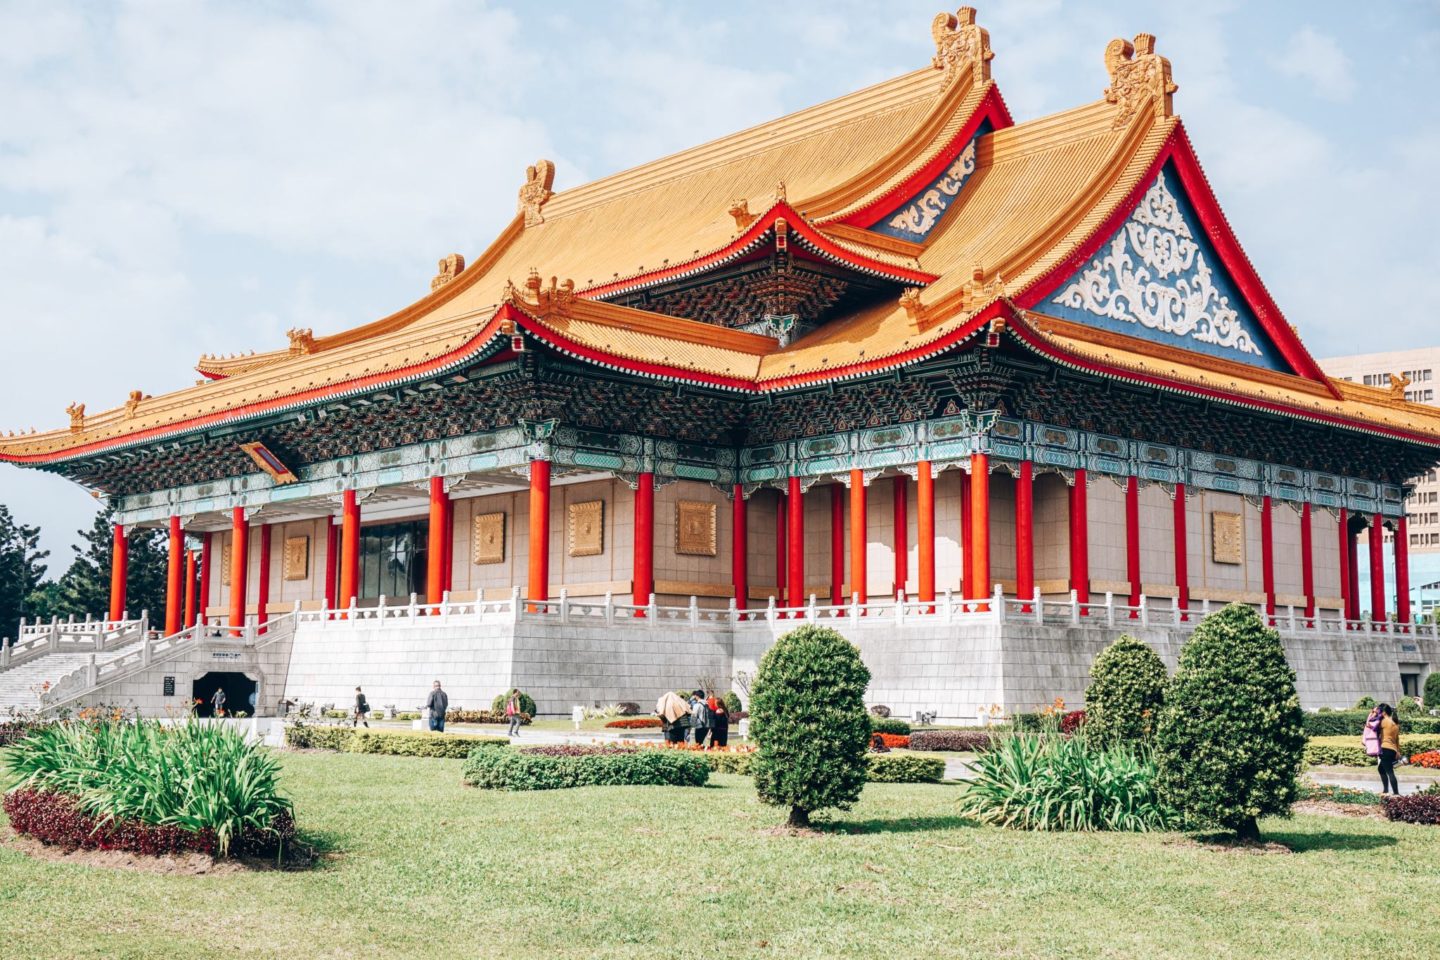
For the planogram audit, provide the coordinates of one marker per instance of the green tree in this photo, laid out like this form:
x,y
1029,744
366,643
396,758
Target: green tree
x,y
85,587
1432,689
1127,687
1231,740
20,570
807,714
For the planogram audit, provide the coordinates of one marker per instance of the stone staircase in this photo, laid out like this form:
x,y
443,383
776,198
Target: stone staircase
x,y
47,652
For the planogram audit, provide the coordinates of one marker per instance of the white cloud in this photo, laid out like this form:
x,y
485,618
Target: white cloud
x,y
1317,58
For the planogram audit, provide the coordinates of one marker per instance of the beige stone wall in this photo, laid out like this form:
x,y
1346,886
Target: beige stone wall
x,y
948,559
1106,515
1157,540
1002,533
1325,542
709,578
1052,531
488,579
1289,574
760,544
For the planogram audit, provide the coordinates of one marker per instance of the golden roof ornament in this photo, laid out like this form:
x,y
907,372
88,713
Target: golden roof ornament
x,y
979,291
554,298
132,404
450,268
302,341
77,417
1398,383
914,309
538,181
1138,75
740,210
960,46
780,192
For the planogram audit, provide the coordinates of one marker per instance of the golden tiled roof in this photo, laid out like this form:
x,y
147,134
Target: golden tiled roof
x,y
1041,190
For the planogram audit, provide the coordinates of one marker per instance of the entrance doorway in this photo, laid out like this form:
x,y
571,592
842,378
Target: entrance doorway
x,y
238,692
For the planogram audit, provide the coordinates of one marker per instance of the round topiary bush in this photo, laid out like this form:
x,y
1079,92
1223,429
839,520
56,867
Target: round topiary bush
x,y
1127,687
526,704
1432,689
733,704
807,713
1231,738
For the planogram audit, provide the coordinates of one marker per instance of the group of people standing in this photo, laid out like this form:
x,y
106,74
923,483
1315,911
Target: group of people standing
x,y
701,719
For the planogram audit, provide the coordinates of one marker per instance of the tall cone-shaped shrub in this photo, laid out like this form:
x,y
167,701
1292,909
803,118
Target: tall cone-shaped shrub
x,y
1231,739
807,715
1127,687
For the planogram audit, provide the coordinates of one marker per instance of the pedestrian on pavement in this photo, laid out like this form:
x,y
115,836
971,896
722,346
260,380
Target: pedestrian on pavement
x,y
361,713
437,703
217,702
699,718
1389,749
512,713
719,725
1370,734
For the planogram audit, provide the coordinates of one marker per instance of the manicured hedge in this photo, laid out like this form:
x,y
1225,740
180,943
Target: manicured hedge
x,y
1416,808
1347,751
54,819
527,704
533,770
893,768
970,741
888,725
482,716
346,740
1351,723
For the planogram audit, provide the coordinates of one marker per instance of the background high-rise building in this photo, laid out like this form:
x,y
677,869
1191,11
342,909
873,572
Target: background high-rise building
x,y
1421,367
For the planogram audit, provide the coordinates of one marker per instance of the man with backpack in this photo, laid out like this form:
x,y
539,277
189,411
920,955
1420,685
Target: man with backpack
x,y
361,712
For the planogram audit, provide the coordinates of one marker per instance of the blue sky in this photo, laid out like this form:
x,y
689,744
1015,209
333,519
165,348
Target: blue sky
x,y
182,178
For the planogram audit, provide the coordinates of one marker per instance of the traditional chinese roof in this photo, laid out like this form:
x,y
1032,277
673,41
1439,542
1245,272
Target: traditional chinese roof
x,y
1044,226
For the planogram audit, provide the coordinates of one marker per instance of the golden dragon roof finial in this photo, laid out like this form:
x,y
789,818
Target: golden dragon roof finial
x,y
1138,75
77,417
450,268
538,181
961,46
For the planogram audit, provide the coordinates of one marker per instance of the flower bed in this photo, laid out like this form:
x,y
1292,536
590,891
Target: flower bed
x,y
970,741
56,819
455,746
895,741
888,768
1430,758
1072,721
635,723
608,767
17,730
1421,807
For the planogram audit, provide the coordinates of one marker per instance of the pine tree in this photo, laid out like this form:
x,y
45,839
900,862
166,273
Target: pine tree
x,y
20,570
84,590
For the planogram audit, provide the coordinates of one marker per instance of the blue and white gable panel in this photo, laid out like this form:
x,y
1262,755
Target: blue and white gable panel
x,y
917,217
1159,278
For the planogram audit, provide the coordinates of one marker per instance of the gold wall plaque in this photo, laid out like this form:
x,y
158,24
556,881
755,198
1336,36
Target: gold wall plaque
x,y
1227,537
295,563
587,528
487,538
226,552
695,528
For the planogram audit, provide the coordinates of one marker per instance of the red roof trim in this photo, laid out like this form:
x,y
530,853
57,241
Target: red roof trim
x,y
1197,188
991,107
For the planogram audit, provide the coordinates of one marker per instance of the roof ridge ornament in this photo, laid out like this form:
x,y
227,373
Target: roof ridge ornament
x,y
538,181
1398,383
450,268
555,298
978,291
132,405
1138,75
302,341
740,210
77,417
960,46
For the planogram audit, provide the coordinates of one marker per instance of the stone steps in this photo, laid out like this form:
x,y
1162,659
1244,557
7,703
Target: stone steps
x,y
19,685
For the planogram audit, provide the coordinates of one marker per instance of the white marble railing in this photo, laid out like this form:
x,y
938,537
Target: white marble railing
x,y
70,636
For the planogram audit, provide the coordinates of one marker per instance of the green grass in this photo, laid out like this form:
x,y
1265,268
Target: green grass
x,y
425,867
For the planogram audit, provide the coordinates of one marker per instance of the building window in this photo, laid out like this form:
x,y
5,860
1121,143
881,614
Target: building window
x,y
392,560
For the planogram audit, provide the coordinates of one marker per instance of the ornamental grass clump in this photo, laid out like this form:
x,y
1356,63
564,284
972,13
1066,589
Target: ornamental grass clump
x,y
196,777
1231,738
1044,781
807,714
1127,688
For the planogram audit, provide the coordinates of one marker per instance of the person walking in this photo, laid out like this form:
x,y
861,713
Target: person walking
x,y
512,713
699,718
1389,749
361,713
217,703
719,725
437,703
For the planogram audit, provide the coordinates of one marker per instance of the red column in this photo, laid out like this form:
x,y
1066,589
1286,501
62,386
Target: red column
x,y
967,552
1346,594
539,586
797,544
1307,560
1025,532
189,620
901,488
447,573
837,544
349,548
1267,555
239,557
925,530
1402,571
174,572
782,550
858,538
739,549
332,562
1079,539
435,543
644,562
207,564
1352,552
1377,570
1182,553
980,524
119,570
262,584
1132,540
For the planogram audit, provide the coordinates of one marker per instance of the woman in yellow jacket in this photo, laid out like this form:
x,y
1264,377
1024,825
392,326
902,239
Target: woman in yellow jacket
x,y
1389,749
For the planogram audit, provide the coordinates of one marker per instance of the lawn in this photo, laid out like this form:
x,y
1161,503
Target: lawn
x,y
425,867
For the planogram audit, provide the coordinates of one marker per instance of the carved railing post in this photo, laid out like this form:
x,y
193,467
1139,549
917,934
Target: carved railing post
x,y
949,605
564,605
652,611
1074,608
694,611
1039,607
609,609
1109,609
1144,611
516,607
734,614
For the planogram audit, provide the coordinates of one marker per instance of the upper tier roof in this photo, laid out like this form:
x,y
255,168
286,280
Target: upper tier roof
x,y
1038,200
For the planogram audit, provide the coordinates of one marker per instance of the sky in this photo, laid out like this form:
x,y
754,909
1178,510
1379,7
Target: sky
x,y
187,178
